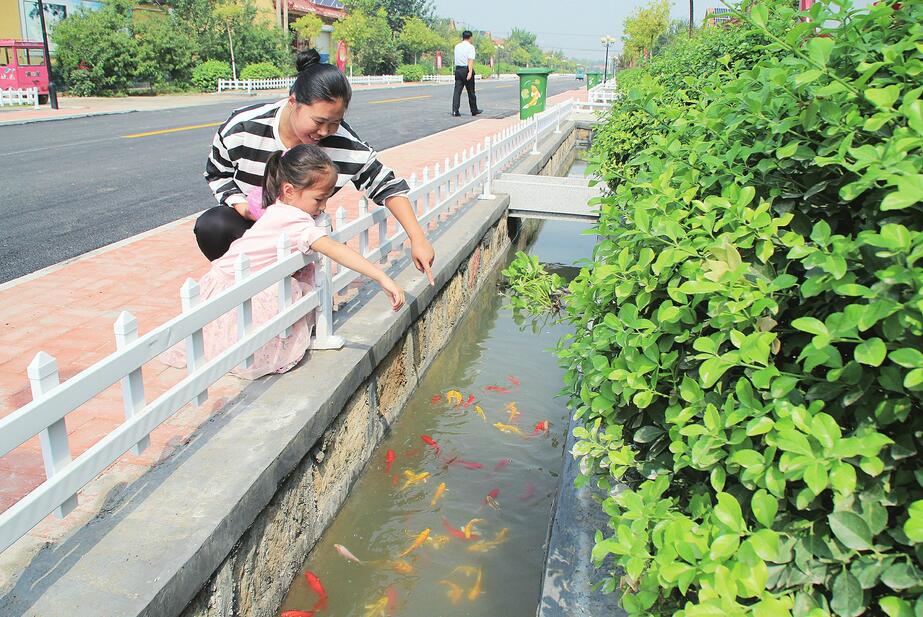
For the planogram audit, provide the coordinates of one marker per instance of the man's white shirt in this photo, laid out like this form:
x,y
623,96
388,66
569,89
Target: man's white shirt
x,y
464,51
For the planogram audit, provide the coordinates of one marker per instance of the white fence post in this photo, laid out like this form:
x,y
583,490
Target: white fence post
x,y
323,325
534,135
486,194
126,332
245,309
56,454
285,285
195,344
364,234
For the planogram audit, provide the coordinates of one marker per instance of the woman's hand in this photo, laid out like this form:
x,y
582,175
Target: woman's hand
x,y
422,253
394,291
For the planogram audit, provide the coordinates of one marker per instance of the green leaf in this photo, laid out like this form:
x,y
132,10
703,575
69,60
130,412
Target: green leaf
x,y
884,98
724,546
711,371
914,113
851,530
914,379
871,352
901,576
807,77
819,49
764,507
815,476
843,478
825,430
847,597
787,150
909,190
760,15
895,607
810,325
728,513
908,357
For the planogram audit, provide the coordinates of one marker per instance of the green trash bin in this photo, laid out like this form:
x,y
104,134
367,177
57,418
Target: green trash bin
x,y
593,78
533,83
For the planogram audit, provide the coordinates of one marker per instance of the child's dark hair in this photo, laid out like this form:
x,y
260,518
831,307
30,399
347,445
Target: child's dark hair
x,y
300,167
319,82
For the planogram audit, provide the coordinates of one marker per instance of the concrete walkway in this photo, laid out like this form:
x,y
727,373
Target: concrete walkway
x,y
68,311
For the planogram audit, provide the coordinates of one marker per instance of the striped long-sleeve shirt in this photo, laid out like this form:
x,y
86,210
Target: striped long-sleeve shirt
x,y
250,135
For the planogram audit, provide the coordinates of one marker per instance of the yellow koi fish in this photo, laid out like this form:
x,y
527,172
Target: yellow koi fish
x,y
439,491
512,411
454,395
480,412
507,428
399,565
414,478
486,545
476,590
455,592
470,526
417,543
378,609
438,541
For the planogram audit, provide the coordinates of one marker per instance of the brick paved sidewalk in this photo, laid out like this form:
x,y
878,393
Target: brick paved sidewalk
x,y
68,311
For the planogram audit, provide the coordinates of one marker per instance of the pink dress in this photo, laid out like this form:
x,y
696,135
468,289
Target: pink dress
x,y
259,244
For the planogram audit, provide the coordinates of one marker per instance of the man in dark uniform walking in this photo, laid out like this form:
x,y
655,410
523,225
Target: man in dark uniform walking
x,y
464,75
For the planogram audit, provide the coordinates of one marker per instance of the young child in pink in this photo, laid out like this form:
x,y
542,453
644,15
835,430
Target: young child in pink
x,y
296,187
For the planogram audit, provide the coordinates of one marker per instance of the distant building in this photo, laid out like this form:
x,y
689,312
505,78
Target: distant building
x,y
288,11
718,16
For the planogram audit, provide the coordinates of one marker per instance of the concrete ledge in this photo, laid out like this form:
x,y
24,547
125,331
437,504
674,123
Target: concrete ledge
x,y
549,197
222,528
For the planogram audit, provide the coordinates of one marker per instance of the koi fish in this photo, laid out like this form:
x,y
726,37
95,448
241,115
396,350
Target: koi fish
x,y
394,480
414,478
491,499
513,380
486,545
342,550
417,543
541,427
480,412
528,493
435,399
439,491
512,412
507,428
466,464
298,613
467,403
476,590
399,565
389,460
502,465
431,443
455,592
391,594
470,526
498,389
377,609
438,541
411,452
316,586
454,395
458,533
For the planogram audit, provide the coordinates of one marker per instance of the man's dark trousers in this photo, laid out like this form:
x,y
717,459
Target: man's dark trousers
x,y
461,81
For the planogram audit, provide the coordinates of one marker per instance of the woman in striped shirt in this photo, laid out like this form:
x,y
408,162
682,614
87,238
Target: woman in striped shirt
x,y
312,114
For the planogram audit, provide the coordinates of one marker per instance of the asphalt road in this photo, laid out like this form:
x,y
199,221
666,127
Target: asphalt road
x,y
70,186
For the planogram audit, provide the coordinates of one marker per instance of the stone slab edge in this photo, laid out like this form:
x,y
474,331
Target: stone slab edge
x,y
144,558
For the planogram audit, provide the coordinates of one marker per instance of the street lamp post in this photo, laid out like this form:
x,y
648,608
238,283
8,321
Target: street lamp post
x,y
499,50
607,41
52,93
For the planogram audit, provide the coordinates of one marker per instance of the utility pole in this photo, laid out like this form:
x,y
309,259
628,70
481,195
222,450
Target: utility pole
x,y
691,13
52,93
607,41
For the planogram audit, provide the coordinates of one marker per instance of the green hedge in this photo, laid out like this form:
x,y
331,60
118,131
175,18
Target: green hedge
x,y
205,76
411,72
746,358
261,70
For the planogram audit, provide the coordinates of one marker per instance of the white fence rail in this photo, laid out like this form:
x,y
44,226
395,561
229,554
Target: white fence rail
x,y
432,196
20,96
603,93
282,83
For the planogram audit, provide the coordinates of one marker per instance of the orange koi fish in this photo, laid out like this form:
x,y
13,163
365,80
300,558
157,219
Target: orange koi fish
x,y
513,380
454,395
476,590
439,491
512,412
458,533
378,608
438,541
468,464
507,428
342,550
391,594
417,543
491,499
431,443
298,613
486,545
498,389
470,526
435,399
316,586
399,565
389,460
414,478
394,480
455,592
541,427
502,465
480,412
528,493
470,400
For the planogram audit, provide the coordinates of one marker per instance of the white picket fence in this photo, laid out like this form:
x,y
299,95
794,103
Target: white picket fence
x,y
603,92
284,83
21,96
434,195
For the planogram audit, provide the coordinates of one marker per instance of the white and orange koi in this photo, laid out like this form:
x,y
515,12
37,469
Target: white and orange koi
x,y
342,550
507,428
454,395
455,592
417,543
438,541
439,491
414,478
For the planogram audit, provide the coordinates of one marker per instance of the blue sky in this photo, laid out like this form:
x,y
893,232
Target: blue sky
x,y
574,27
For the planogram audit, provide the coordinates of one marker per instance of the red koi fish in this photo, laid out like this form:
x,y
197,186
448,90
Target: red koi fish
x,y
435,399
298,613
389,460
491,499
431,443
498,389
394,480
470,400
391,594
411,452
528,493
541,427
513,380
466,464
316,586
502,465
458,533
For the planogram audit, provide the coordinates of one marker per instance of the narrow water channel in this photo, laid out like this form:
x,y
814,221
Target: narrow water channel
x,y
468,538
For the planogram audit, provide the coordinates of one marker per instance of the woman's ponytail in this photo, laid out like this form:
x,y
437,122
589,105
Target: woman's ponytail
x,y
319,82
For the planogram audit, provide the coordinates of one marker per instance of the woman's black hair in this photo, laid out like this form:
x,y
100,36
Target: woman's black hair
x,y
299,166
319,82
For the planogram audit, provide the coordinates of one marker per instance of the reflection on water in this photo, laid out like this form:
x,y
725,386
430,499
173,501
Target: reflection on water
x,y
451,515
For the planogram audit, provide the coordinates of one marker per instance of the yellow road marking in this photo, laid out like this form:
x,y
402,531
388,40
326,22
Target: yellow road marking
x,y
406,98
176,130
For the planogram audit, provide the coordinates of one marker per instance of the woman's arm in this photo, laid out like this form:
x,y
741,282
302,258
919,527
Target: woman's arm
x,y
219,173
345,256
421,251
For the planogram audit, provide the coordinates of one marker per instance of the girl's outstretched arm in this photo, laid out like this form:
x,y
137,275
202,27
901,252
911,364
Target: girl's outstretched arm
x,y
345,256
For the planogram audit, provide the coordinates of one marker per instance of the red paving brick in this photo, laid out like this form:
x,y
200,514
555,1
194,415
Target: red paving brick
x,y
69,311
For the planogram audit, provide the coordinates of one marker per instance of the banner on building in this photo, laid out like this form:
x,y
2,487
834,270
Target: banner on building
x,y
438,60
342,54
